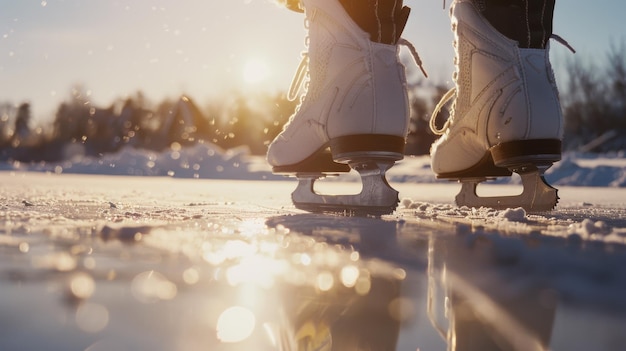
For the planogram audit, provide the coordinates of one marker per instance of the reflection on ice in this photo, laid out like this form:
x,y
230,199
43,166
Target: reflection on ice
x,y
91,317
230,250
82,286
235,324
58,261
325,281
151,286
256,269
24,247
191,276
301,259
349,276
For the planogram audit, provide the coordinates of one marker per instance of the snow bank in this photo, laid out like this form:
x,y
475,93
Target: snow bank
x,y
199,161
210,161
589,170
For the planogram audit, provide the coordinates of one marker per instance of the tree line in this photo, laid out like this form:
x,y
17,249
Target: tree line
x,y
593,97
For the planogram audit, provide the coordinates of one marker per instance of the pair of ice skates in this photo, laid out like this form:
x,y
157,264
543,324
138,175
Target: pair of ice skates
x,y
505,116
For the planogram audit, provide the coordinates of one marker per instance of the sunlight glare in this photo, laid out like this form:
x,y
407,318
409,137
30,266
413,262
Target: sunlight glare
x,y
255,71
152,286
256,269
235,324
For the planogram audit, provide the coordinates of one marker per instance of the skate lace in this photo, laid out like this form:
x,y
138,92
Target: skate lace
x,y
414,54
302,72
563,42
433,117
452,92
301,75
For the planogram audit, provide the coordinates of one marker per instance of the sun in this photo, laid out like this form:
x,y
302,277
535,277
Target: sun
x,y
255,70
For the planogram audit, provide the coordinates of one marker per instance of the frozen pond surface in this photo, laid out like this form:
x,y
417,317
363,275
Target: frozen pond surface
x,y
138,263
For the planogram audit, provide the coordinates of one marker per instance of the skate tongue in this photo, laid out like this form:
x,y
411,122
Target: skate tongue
x,y
383,20
403,18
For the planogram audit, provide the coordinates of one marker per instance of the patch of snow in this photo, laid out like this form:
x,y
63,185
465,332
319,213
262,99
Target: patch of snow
x,y
199,161
513,214
208,161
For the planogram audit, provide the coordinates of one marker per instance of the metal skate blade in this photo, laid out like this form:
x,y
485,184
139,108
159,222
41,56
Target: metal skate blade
x,y
537,195
376,198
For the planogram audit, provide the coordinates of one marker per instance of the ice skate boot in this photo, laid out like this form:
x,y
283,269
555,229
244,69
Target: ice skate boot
x,y
506,116
354,113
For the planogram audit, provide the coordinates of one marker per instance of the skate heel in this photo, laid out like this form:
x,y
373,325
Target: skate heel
x,y
347,149
319,162
533,153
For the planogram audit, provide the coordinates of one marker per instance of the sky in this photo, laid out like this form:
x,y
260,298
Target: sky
x,y
208,48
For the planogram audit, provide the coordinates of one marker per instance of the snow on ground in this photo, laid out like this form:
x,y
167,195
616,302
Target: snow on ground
x,y
208,161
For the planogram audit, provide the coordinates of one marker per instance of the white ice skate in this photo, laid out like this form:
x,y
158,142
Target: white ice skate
x,y
506,115
354,113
